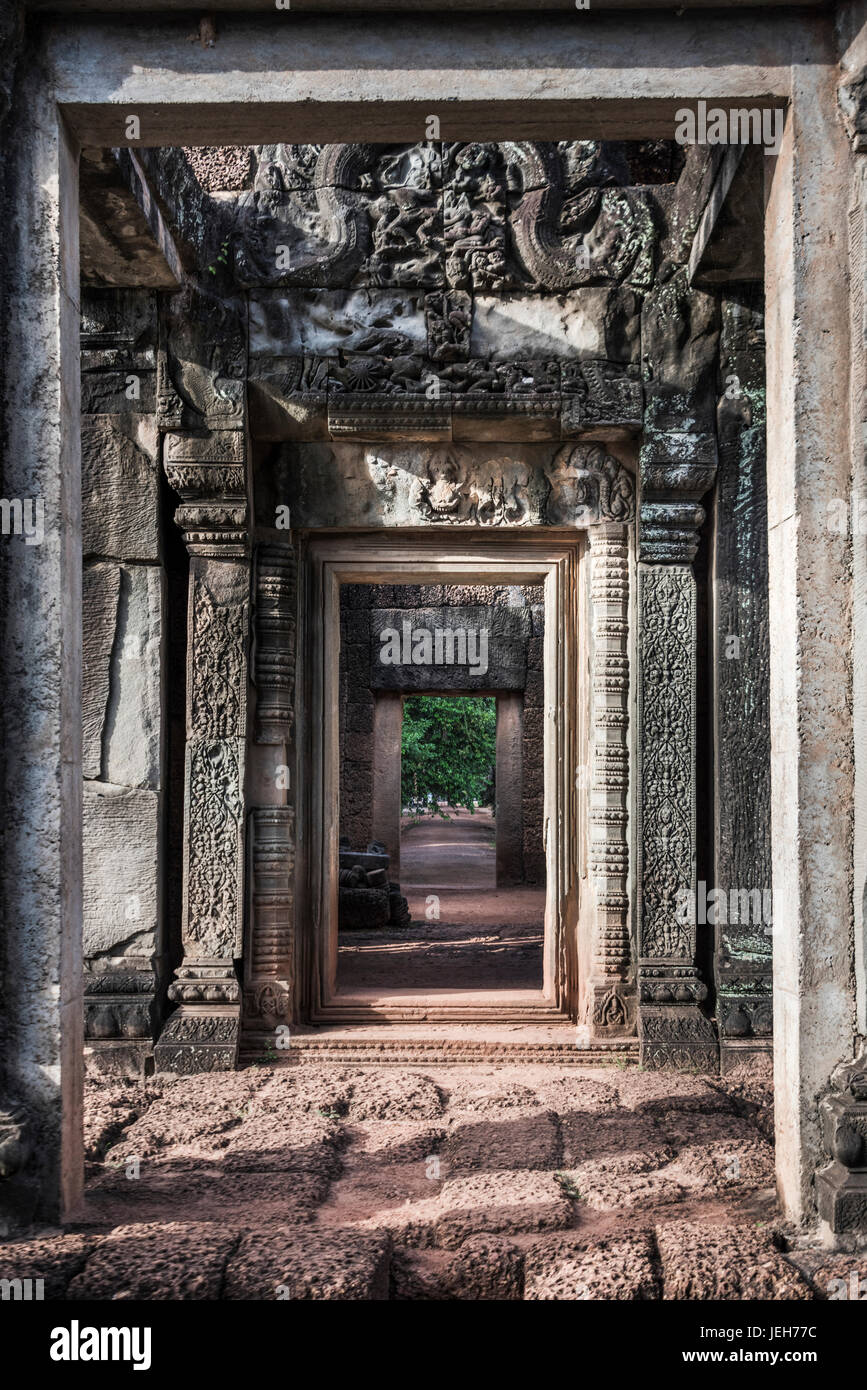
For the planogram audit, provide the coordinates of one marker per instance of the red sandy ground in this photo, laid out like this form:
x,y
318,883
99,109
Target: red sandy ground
x,y
485,938
481,1182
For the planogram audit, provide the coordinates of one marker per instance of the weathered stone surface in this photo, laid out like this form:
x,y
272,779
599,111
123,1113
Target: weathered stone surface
x,y
838,1278
99,604
179,1260
486,1267
487,647
701,1261
341,1265
591,1267
54,1258
499,1201
219,167
578,326
377,1095
121,894
168,1191
122,676
593,1135
370,323
120,487
516,1139
123,236
133,730
109,1111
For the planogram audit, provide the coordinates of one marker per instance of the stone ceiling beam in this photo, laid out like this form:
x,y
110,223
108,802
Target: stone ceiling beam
x,y
338,79
412,6
124,239
728,242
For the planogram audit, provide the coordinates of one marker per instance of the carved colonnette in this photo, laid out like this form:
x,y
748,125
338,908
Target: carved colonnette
x,y
677,467
269,962
744,986
208,470
611,987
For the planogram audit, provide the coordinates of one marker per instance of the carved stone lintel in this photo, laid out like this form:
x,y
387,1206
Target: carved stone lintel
x,y
841,1187
611,1007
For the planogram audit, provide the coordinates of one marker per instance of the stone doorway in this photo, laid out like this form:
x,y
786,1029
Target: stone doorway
x,y
808,185
452,912
551,565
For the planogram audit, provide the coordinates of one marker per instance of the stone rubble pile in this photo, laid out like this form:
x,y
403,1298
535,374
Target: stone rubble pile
x,y
366,896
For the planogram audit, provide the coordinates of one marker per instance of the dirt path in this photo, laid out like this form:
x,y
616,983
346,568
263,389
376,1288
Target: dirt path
x,y
456,853
466,934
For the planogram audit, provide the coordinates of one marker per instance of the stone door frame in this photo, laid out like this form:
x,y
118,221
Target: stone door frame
x,y
268,80
530,557
385,792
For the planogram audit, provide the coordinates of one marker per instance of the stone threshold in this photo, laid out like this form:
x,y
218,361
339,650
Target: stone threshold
x,y
442,1044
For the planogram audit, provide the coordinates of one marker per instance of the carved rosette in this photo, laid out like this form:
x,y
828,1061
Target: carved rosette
x,y
611,997
209,472
673,1029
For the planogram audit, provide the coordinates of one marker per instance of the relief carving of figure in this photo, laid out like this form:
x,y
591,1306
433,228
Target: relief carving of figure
x,y
588,485
439,493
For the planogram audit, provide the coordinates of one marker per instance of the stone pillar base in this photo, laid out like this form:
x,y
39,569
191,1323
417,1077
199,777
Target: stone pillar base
x,y
735,1053
842,1200
677,1038
841,1187
612,1008
200,1038
118,1059
744,1014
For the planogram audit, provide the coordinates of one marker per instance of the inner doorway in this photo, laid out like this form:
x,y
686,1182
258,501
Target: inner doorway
x,y
463,917
499,964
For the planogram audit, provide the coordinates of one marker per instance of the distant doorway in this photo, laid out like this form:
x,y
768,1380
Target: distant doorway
x,y
432,894
419,913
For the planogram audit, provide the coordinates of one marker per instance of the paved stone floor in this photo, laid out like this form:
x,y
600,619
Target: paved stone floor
x,y
486,1182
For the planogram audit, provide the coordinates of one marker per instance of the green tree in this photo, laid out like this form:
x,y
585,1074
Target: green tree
x,y
448,751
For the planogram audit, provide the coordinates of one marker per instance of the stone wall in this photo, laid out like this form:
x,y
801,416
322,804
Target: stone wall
x,y
125,672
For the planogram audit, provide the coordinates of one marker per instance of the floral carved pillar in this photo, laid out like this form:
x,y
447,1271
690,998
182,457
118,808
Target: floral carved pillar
x,y
676,470
208,470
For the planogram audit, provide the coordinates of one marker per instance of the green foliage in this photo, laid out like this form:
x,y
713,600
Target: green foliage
x,y
448,752
222,257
